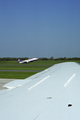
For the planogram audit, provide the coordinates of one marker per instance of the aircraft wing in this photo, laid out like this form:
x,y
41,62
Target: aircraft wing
x,y
53,94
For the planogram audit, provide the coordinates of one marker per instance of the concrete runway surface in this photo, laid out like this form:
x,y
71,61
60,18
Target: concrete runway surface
x,y
4,81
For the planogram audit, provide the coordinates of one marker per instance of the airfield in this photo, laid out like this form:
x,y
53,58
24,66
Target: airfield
x,y
12,70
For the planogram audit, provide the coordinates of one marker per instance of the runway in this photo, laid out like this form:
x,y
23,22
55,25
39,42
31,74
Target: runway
x,y
4,81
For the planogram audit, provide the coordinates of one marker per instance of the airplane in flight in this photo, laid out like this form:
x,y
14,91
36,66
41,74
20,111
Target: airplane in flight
x,y
52,94
27,61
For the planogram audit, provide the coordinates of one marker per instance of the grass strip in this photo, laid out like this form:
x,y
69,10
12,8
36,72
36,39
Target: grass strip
x,y
23,67
16,75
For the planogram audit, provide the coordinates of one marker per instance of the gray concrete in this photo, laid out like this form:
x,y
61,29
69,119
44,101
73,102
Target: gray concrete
x,y
4,81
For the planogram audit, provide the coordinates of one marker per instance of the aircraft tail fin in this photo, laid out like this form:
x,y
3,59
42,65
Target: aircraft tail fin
x,y
18,60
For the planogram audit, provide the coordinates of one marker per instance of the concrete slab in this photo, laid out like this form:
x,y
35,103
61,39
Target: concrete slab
x,y
4,81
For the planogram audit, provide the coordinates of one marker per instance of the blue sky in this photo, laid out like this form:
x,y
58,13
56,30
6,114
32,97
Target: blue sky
x,y
40,28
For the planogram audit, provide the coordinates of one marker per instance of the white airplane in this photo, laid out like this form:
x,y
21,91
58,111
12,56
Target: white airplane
x,y
52,94
28,60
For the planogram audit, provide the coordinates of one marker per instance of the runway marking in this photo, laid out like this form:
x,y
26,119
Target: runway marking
x,y
38,82
69,80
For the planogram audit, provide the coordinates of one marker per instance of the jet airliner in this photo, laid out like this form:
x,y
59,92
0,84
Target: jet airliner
x,y
28,60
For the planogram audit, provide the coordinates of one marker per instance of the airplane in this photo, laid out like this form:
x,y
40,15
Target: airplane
x,y
52,94
28,60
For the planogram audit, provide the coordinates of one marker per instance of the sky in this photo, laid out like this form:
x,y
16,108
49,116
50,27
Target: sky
x,y
40,28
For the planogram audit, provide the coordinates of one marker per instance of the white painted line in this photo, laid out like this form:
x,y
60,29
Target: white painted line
x,y
38,82
69,80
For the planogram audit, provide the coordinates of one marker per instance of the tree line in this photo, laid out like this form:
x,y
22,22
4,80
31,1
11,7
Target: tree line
x,y
44,58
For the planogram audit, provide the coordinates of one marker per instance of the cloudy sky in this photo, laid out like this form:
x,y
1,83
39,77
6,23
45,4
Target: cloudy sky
x,y
40,28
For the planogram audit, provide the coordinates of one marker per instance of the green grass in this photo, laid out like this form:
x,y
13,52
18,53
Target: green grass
x,y
14,65
37,65
22,67
16,75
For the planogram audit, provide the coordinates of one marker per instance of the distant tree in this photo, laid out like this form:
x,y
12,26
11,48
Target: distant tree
x,y
39,58
44,59
51,58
